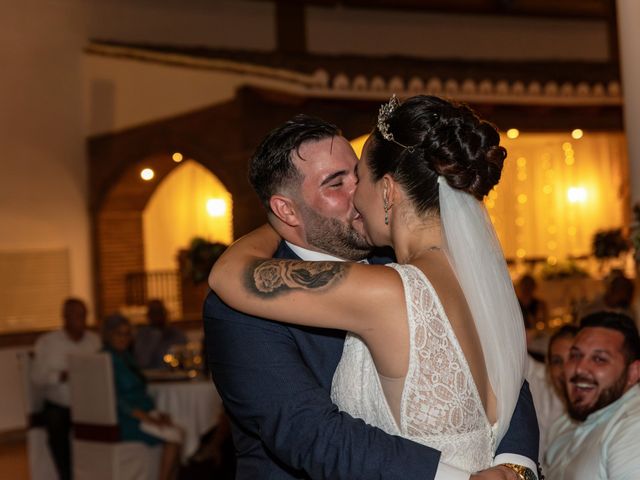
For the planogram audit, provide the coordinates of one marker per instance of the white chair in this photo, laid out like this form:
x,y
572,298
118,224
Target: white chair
x,y
41,466
98,453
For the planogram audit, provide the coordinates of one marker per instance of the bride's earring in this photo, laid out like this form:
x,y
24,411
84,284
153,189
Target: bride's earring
x,y
385,204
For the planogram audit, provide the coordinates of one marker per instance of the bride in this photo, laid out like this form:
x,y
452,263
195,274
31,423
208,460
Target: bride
x,y
436,351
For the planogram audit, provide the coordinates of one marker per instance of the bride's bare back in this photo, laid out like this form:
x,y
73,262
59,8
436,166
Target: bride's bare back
x,y
390,346
441,276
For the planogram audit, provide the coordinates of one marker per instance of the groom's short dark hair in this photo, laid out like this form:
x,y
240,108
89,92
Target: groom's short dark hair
x,y
271,168
621,323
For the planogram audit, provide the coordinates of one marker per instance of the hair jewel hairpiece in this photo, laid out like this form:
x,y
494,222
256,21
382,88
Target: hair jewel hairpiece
x,y
383,125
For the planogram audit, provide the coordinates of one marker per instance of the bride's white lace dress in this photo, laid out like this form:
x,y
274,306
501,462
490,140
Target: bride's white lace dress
x,y
440,405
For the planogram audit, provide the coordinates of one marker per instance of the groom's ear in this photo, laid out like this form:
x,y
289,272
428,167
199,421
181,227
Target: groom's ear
x,y
633,373
284,208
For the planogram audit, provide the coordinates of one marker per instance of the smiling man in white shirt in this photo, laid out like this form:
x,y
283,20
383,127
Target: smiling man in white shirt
x,y
599,437
50,372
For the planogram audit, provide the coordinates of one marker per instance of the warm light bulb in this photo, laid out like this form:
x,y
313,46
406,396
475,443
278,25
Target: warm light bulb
x,y
577,134
577,195
513,133
177,157
216,207
147,174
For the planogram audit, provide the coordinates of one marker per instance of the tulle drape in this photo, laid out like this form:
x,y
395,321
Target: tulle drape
x,y
476,256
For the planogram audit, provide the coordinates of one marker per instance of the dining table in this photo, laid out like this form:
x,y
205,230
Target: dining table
x,y
190,399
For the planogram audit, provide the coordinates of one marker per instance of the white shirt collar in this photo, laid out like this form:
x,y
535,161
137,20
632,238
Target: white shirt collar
x,y
311,256
612,407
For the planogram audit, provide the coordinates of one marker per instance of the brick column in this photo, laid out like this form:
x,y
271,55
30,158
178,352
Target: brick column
x,y
120,247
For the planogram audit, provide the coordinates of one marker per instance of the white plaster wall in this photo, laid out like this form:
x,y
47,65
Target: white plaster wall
x,y
479,37
121,93
43,181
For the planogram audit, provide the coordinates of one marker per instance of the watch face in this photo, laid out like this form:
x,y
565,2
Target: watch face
x,y
523,472
528,474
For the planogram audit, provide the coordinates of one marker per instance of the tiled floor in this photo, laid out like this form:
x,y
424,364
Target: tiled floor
x,y
13,460
14,464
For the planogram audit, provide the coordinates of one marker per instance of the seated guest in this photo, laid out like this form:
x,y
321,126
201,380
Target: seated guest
x,y
50,371
547,381
153,341
134,405
599,437
534,312
617,297
534,309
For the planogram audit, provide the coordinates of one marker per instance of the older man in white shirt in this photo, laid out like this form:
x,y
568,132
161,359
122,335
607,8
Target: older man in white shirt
x,y
599,438
50,372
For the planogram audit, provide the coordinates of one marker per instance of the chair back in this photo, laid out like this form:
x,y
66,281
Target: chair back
x,y
93,399
41,466
98,451
33,395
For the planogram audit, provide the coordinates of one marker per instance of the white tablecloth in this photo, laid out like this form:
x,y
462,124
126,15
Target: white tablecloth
x,y
193,405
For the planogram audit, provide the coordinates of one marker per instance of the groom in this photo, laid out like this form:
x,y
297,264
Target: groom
x,y
275,379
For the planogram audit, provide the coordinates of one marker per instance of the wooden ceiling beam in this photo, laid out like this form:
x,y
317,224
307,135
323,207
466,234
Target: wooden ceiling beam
x,y
578,9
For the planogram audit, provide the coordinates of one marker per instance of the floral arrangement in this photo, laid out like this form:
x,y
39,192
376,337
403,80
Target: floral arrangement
x,y
609,244
201,256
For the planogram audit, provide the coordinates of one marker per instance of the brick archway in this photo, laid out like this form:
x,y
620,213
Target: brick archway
x,y
119,196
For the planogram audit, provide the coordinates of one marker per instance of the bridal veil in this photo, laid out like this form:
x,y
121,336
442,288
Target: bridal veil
x,y
475,254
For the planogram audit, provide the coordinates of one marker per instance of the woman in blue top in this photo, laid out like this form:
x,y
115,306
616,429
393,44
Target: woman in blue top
x,y
134,405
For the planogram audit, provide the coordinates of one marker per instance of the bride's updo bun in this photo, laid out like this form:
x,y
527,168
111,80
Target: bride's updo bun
x,y
433,137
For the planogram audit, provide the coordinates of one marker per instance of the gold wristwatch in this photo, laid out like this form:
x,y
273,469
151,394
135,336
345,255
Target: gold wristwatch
x,y
523,473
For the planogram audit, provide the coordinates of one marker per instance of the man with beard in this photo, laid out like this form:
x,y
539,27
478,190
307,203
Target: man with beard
x,y
599,437
275,379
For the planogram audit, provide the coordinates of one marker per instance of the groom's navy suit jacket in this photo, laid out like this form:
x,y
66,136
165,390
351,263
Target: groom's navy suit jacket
x,y
275,382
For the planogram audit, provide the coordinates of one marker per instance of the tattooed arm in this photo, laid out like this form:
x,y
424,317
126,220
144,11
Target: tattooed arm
x,y
354,297
267,278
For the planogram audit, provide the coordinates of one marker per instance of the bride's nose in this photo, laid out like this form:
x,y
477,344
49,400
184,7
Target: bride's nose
x,y
353,184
